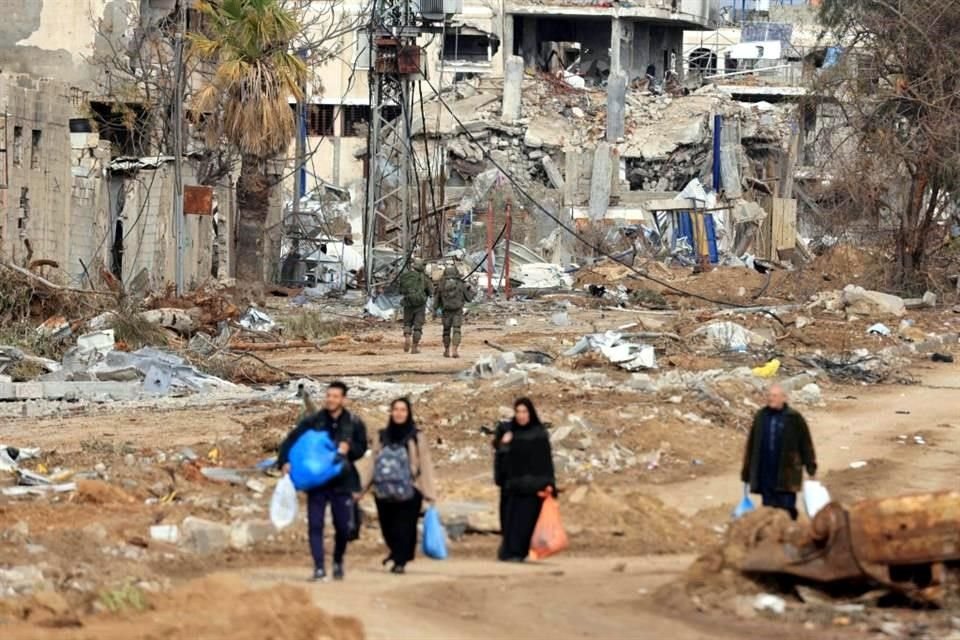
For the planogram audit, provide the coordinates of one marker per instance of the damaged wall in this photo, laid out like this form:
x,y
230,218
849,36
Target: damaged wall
x,y
54,205
57,202
55,38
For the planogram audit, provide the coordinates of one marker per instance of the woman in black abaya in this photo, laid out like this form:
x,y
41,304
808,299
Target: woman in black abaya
x,y
523,468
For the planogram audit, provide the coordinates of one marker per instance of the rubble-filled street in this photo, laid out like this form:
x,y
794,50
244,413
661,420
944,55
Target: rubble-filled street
x,y
585,318
120,494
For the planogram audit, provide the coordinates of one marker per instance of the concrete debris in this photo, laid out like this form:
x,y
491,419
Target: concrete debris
x,y
21,579
730,336
809,394
249,533
858,301
621,352
39,490
169,533
219,474
99,341
542,275
204,537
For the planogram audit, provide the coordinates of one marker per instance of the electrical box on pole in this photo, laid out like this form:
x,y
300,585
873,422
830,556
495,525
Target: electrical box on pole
x,y
398,62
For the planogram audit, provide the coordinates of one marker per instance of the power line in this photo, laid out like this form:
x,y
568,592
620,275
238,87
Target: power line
x,y
564,225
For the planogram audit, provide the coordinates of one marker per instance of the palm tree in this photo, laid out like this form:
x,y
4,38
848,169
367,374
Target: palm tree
x,y
246,100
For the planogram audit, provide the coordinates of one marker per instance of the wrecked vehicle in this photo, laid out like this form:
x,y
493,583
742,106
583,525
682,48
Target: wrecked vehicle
x,y
904,543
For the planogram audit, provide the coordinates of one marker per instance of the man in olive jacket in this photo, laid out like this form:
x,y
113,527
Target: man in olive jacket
x,y
778,450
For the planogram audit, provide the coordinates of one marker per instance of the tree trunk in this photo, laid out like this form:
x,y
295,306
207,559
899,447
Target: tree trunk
x,y
253,203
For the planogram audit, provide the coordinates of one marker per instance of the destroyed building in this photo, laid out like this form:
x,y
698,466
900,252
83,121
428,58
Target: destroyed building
x,y
85,182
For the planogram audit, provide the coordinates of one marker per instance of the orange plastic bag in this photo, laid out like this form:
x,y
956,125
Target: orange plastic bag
x,y
548,536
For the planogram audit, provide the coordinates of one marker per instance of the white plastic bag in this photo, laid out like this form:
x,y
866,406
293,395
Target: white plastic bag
x,y
284,504
815,497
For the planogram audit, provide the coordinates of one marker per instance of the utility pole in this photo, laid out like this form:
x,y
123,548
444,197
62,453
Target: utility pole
x,y
178,97
396,63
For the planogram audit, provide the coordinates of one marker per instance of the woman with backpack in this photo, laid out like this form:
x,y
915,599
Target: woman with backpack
x,y
402,479
523,468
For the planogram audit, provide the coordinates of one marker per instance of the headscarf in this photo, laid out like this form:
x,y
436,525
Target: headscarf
x,y
400,432
534,418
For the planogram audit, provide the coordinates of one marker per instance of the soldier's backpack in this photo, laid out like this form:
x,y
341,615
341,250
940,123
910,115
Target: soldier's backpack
x,y
452,294
412,289
392,479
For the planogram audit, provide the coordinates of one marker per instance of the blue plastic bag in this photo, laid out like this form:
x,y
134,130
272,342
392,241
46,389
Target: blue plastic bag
x,y
746,505
434,535
313,460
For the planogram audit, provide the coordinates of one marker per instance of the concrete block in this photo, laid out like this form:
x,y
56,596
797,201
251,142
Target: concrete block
x,y
204,536
250,532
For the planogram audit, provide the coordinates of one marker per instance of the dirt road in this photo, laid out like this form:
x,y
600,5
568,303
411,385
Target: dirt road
x,y
560,599
863,424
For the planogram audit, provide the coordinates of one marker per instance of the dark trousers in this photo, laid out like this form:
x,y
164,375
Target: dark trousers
x,y
398,523
413,319
452,322
518,515
341,506
781,500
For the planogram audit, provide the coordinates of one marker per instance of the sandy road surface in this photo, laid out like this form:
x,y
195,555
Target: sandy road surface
x,y
862,424
482,600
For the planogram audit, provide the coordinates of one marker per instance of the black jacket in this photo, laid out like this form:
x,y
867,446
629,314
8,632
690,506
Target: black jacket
x,y
796,452
525,465
347,428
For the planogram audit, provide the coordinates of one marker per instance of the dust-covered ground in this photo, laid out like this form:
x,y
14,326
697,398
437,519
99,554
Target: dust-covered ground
x,y
648,469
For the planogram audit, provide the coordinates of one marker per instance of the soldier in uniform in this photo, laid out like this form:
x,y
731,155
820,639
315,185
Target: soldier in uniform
x,y
416,288
452,294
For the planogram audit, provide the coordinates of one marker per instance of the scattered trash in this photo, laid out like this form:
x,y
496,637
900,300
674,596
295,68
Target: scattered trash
x,y
284,504
434,535
512,322
561,319
815,497
768,370
859,464
383,307
613,346
879,329
745,505
257,320
767,602
942,357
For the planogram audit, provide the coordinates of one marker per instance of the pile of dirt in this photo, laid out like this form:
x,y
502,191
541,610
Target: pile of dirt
x,y
631,522
714,580
212,608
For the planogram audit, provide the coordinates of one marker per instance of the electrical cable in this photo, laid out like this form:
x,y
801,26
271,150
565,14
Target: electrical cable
x,y
564,225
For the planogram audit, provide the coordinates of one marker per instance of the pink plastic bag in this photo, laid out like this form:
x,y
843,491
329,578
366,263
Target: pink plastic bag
x,y
548,536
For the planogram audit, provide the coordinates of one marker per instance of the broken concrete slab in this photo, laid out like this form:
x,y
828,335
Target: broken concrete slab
x,y
204,536
94,391
863,302
250,532
553,172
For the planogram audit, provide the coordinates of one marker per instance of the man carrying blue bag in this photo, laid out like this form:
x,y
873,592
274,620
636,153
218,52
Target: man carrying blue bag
x,y
319,455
